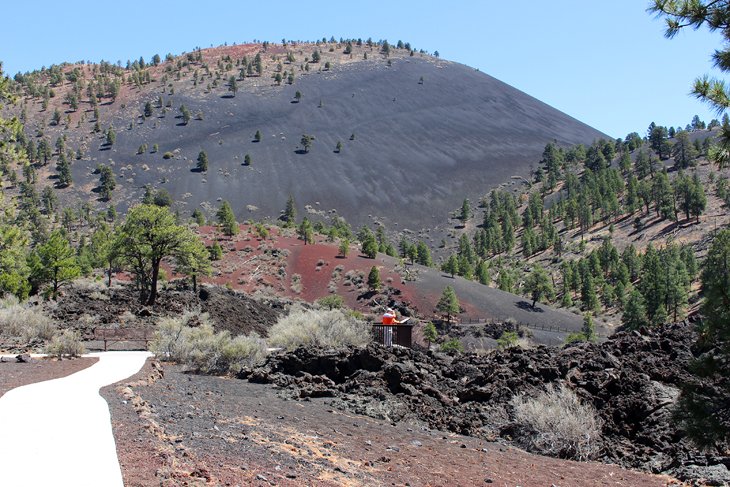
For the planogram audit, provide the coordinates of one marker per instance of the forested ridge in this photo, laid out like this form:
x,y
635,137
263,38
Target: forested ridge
x,y
584,218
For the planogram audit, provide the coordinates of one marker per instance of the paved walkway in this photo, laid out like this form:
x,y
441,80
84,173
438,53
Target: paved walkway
x,y
59,432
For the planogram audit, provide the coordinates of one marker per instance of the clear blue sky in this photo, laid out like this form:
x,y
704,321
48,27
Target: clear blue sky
x,y
605,63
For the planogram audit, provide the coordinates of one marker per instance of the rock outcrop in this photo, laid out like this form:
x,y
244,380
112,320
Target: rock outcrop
x,y
633,380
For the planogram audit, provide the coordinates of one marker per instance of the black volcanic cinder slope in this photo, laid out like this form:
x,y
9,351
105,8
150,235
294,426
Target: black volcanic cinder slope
x,y
419,149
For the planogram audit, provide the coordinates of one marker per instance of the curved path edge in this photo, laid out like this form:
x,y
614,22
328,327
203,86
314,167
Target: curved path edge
x,y
59,432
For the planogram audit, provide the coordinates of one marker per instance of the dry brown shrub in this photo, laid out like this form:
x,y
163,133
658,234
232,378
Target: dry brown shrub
x,y
66,344
557,424
26,322
322,328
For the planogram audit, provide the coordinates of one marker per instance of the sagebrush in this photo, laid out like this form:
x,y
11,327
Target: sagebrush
x,y
330,328
556,423
191,340
26,322
66,344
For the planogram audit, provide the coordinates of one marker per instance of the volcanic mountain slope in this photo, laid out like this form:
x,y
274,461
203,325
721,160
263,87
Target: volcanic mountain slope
x,y
418,133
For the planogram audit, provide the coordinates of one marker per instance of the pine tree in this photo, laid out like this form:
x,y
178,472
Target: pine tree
x,y
64,172
344,247
148,236
429,333
49,199
107,183
642,165
699,199
374,279
625,162
653,284
412,253
111,136
567,300
482,273
449,303
588,294
194,261
451,266
370,246
227,219
631,201
403,246
683,151
423,254
185,114
506,280
588,330
465,212
198,217
716,286
202,161
466,270
216,251
538,285
664,197
677,282
306,232
56,262
290,212
306,142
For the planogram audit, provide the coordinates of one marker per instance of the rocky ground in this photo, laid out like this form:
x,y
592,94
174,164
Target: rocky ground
x,y
632,380
87,307
174,428
385,407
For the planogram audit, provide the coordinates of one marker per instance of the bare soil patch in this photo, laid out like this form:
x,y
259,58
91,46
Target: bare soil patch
x,y
15,374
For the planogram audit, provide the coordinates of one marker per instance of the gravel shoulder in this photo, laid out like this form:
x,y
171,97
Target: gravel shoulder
x,y
175,428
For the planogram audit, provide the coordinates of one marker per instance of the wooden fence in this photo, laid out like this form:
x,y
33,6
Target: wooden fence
x,y
556,329
112,335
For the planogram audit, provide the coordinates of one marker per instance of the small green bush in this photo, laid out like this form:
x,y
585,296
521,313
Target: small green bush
x,y
68,343
333,301
430,334
453,345
507,339
168,155
321,328
575,337
216,251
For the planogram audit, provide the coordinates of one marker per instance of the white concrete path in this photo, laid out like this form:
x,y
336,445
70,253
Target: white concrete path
x,y
59,432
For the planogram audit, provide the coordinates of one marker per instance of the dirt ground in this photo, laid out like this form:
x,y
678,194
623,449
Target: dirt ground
x,y
15,374
182,429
